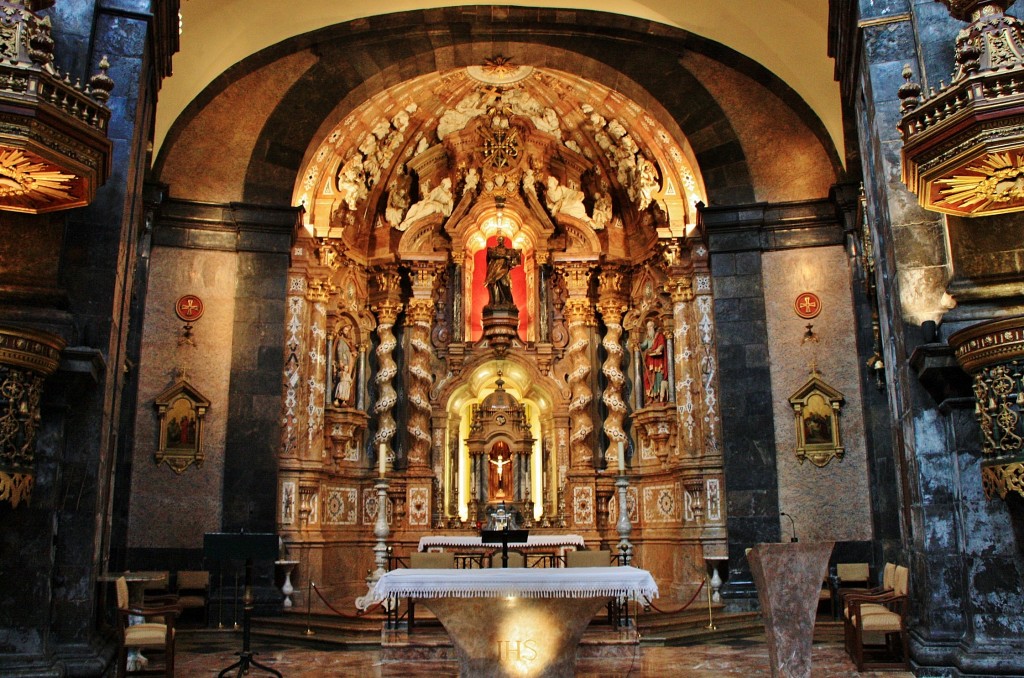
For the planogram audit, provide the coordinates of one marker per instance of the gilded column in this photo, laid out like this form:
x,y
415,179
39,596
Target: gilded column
x,y
419,317
314,364
612,305
386,305
684,381
579,313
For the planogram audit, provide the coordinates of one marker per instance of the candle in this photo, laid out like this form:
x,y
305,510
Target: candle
x,y
383,459
622,457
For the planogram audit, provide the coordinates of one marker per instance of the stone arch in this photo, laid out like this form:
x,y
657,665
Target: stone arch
x,y
358,59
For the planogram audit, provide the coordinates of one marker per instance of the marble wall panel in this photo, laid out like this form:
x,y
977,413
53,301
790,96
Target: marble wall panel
x,y
834,502
170,510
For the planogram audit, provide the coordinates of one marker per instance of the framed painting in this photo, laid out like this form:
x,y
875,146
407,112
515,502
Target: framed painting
x,y
181,410
816,407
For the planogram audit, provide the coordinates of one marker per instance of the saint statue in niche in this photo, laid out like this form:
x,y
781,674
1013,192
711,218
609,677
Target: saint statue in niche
x,y
344,367
501,259
500,478
655,365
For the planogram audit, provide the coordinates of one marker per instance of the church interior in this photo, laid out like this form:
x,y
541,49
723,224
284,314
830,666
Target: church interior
x,y
665,281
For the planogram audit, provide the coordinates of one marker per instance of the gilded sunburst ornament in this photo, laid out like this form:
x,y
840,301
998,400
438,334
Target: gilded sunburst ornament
x,y
499,66
499,70
997,180
24,178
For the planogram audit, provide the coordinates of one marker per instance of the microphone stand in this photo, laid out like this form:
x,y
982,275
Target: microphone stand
x,y
792,524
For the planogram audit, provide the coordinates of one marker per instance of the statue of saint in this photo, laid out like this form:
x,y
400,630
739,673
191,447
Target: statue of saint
x,y
501,259
344,367
438,200
655,365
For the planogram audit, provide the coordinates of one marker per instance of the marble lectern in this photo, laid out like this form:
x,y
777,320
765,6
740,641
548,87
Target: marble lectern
x,y
519,622
788,579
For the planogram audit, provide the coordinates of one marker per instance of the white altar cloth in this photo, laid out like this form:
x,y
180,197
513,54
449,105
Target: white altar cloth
x,y
533,541
581,582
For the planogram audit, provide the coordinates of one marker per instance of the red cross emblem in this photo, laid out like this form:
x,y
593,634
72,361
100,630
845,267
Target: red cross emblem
x,y
807,305
189,308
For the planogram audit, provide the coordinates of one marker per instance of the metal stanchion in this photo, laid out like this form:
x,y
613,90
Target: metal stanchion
x,y
220,599
711,619
236,625
309,605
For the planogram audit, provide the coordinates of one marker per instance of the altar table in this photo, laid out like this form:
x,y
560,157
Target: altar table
x,y
533,541
516,622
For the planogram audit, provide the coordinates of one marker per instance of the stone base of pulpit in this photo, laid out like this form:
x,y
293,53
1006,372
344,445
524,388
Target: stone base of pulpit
x,y
521,637
788,579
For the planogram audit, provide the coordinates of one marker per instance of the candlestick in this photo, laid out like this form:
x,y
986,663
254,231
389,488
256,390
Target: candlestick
x,y
383,461
622,457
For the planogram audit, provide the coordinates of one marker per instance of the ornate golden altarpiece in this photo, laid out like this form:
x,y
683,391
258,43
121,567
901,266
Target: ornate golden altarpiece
x,y
405,200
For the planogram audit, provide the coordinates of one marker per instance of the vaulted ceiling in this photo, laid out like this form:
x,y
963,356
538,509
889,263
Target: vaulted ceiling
x,y
249,119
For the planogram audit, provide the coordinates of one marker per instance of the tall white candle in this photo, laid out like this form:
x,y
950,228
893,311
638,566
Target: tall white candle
x,y
622,457
383,459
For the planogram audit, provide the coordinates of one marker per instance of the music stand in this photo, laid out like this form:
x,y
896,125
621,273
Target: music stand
x,y
503,537
248,546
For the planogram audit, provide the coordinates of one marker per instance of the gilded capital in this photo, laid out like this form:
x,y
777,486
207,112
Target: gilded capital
x,y
387,311
681,289
420,311
577,277
424,275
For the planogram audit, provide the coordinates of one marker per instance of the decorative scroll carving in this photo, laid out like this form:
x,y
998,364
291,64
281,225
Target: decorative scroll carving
x,y
26,358
993,353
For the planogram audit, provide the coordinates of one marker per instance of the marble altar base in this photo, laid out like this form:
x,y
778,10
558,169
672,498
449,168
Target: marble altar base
x,y
520,637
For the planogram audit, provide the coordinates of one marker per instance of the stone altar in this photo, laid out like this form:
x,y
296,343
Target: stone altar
x,y
516,622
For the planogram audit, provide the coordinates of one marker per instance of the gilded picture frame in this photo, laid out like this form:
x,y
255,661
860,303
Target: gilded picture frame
x,y
816,408
181,412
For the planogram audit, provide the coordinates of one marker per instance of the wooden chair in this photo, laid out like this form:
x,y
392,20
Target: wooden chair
x,y
149,636
158,590
193,591
515,559
883,613
850,578
588,559
432,560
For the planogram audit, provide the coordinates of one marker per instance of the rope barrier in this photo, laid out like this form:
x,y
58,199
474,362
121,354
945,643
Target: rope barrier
x,y
344,614
657,609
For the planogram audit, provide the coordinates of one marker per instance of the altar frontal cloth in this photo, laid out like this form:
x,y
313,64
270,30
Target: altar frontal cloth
x,y
584,582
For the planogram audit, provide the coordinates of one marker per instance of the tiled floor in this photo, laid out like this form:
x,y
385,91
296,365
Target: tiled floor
x,y
207,654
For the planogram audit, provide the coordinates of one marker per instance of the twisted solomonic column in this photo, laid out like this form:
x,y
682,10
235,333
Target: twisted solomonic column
x,y
612,307
580,316
387,307
419,315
